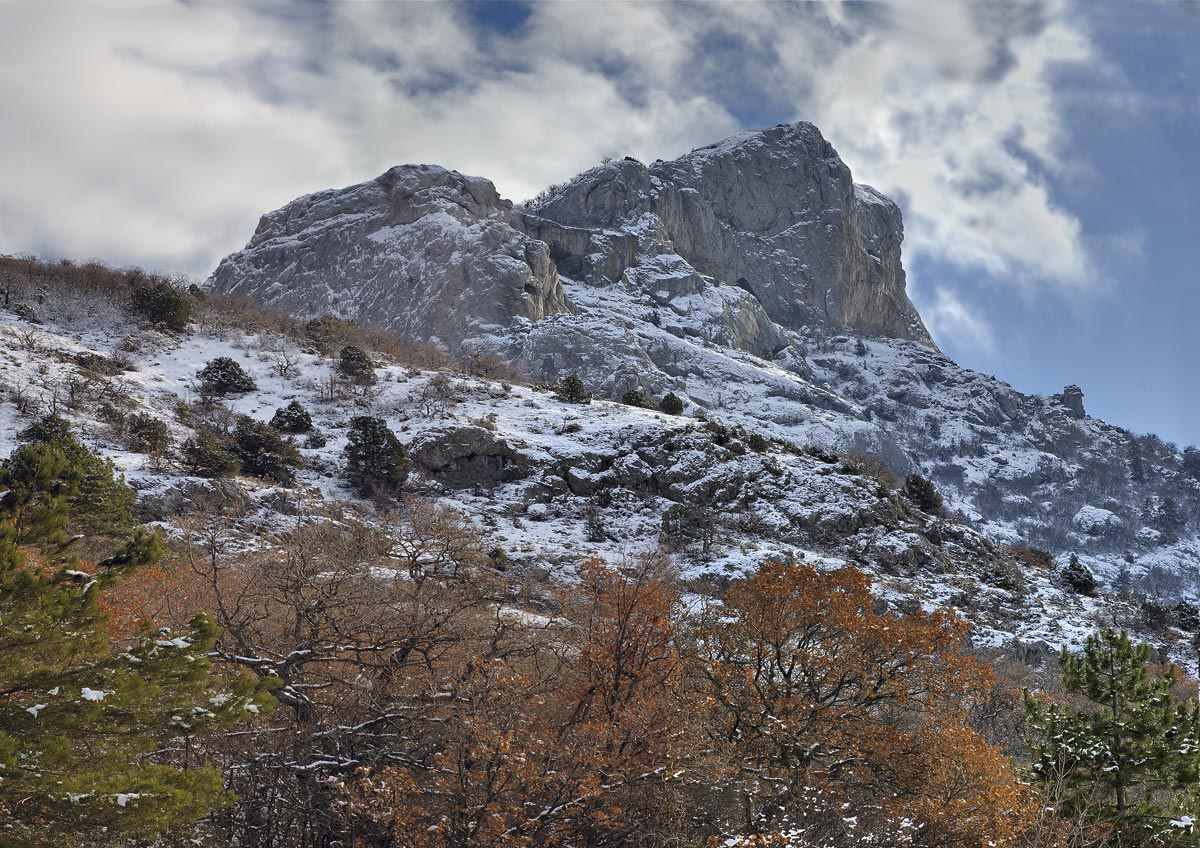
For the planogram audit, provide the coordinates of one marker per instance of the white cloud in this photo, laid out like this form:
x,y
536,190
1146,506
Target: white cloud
x,y
110,150
952,321
158,132
954,110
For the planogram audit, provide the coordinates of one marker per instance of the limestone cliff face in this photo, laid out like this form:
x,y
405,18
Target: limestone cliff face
x,y
755,243
774,212
423,251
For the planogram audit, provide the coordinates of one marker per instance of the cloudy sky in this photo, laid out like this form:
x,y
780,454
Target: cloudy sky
x,y
1045,152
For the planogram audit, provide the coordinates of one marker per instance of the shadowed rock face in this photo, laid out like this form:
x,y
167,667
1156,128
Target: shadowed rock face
x,y
460,456
423,251
774,212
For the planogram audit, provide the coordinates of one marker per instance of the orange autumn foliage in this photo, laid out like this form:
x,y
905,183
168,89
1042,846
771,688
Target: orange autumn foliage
x,y
419,708
544,742
813,692
166,593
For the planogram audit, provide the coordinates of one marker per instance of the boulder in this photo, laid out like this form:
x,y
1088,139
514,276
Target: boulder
x,y
188,495
461,456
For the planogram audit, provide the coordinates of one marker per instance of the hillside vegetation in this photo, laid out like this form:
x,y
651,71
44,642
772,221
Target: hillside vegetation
x,y
295,583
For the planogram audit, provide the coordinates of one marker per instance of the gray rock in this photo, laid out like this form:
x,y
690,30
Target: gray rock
x,y
762,233
422,251
774,212
461,456
222,496
1072,399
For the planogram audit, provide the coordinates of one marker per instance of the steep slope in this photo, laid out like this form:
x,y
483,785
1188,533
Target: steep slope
x,y
548,482
755,280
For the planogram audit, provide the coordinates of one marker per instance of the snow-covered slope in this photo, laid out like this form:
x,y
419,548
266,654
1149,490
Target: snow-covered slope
x,y
551,483
756,280
753,279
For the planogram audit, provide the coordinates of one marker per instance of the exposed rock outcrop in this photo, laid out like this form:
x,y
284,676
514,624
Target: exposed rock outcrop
x,y
461,456
774,212
1072,399
761,233
423,251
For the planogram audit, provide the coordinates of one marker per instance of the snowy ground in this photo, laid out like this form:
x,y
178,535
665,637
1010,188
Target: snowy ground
x,y
599,477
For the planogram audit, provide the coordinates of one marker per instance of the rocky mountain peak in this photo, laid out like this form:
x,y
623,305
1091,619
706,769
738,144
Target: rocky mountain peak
x,y
439,256
774,212
417,190
427,252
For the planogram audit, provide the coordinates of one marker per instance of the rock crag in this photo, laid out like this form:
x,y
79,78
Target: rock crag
x,y
773,212
426,252
764,233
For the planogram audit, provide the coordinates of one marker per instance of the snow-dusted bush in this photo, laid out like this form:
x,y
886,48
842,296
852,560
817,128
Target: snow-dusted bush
x,y
671,404
293,418
224,376
1078,577
147,434
162,305
636,398
355,366
923,494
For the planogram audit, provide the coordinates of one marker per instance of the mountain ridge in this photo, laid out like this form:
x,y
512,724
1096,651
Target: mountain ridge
x,y
816,249
638,315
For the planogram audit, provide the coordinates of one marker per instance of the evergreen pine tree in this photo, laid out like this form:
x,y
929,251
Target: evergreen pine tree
x,y
263,452
356,366
324,332
572,390
103,502
634,397
1137,743
147,434
376,461
1137,466
1124,581
671,404
207,454
37,500
51,468
84,724
1169,519
923,493
1191,462
1187,616
48,428
1079,577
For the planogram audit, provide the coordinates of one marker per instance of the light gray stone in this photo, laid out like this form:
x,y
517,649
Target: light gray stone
x,y
425,252
774,212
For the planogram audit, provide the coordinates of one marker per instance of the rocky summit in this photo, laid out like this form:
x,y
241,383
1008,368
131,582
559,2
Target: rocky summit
x,y
429,253
757,282
438,256
774,212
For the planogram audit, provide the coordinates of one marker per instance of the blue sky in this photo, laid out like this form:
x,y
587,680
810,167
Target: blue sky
x,y
1043,151
1134,132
